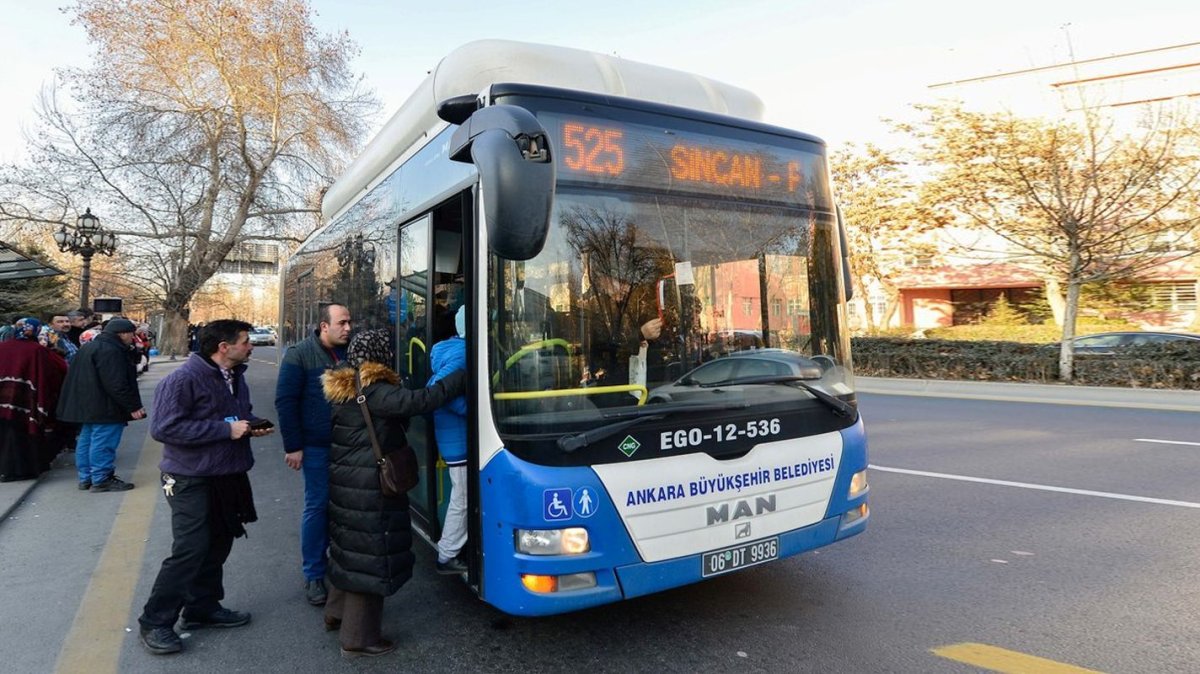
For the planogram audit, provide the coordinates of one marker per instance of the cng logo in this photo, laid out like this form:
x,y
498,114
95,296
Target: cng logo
x,y
629,445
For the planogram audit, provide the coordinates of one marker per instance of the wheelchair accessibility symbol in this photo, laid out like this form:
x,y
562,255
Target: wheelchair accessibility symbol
x,y
556,504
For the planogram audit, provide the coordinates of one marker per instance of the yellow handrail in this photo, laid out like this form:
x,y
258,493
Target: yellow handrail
x,y
410,351
562,393
530,348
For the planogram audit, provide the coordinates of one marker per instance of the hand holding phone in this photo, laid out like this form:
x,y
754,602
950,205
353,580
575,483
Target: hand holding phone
x,y
261,424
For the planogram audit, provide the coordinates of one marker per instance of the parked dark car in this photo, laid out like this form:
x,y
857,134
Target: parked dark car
x,y
1107,343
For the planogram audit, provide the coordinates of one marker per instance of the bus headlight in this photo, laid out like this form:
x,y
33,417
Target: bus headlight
x,y
570,541
858,484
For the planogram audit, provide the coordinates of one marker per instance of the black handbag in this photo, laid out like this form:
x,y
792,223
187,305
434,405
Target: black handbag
x,y
398,470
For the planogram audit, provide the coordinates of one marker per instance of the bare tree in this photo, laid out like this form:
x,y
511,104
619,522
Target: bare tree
x,y
883,219
201,124
1077,202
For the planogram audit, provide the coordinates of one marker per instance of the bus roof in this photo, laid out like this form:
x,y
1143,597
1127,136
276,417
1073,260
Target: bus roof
x,y
475,65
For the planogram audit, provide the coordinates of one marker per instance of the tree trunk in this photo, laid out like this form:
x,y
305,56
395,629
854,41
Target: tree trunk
x,y
174,340
891,308
1066,354
1054,298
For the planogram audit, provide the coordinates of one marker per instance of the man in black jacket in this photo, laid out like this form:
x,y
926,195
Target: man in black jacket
x,y
101,393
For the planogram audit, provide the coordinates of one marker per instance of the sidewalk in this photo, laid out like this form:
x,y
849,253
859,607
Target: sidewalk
x,y
12,494
1053,394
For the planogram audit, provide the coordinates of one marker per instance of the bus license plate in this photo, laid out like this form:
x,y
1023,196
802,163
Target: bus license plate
x,y
731,559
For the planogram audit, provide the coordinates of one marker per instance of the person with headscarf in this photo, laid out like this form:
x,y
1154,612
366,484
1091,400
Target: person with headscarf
x,y
31,378
370,550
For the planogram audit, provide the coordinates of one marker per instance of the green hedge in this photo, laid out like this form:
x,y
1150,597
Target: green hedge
x,y
1175,365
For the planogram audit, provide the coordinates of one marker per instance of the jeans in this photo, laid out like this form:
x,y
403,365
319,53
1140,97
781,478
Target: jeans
x,y
96,451
314,523
192,578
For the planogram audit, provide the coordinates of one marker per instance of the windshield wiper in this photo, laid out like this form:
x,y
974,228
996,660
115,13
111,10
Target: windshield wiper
x,y
839,406
571,443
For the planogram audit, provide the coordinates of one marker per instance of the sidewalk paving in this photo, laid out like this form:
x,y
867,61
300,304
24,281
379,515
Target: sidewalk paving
x,y
13,493
1054,394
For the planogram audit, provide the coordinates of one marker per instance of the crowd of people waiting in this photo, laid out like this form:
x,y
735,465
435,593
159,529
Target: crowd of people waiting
x,y
71,383
35,357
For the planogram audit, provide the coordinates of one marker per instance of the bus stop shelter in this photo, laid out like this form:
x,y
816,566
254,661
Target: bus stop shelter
x,y
15,266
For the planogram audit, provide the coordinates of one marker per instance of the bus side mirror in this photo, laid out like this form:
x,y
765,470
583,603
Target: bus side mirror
x,y
846,277
510,149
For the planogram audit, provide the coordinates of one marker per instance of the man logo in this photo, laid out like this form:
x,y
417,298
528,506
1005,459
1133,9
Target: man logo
x,y
741,508
742,530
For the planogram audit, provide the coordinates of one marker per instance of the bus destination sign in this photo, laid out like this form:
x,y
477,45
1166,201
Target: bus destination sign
x,y
613,153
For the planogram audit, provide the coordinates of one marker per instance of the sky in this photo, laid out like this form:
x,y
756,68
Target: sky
x,y
831,68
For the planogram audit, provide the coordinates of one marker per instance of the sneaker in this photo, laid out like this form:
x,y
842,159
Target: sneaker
x,y
315,593
113,483
453,567
161,640
221,617
85,485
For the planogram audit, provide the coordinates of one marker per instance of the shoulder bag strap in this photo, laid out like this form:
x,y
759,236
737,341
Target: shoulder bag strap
x,y
362,403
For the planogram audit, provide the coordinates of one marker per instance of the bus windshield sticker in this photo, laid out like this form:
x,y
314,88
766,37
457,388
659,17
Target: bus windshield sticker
x,y
556,504
585,503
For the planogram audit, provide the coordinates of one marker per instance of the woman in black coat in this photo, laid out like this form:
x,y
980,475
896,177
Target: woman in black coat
x,y
370,535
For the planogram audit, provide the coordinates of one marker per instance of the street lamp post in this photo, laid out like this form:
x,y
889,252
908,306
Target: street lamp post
x,y
87,239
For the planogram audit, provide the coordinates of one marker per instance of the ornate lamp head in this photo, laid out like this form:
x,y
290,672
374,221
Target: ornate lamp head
x,y
87,224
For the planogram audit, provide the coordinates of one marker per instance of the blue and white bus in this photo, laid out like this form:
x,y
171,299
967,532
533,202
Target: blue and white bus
x,y
661,387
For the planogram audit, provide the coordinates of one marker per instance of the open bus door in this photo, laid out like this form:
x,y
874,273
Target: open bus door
x,y
432,287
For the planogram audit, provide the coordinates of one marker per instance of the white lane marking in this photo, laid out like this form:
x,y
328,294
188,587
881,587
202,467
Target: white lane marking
x,y
260,360
1167,442
1039,487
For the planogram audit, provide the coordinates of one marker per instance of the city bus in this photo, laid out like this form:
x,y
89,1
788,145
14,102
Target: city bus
x,y
655,281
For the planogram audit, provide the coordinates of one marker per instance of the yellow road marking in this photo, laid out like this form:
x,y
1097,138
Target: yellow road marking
x,y
1002,660
94,642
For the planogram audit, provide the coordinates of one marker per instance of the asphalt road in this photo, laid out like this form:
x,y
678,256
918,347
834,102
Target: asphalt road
x,y
1094,580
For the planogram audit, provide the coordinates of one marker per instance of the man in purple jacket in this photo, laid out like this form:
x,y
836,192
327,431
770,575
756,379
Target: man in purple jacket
x,y
203,417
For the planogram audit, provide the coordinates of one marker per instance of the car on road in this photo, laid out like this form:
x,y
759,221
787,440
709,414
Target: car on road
x,y
741,368
262,337
1107,343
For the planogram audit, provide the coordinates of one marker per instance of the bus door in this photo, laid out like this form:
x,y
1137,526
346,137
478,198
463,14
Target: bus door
x,y
412,349
437,239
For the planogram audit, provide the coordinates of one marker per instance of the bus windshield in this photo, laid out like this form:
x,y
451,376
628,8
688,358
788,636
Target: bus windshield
x,y
646,302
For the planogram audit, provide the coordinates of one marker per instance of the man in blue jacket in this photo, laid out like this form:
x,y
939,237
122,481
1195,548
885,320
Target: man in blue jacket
x,y
450,429
305,419
203,417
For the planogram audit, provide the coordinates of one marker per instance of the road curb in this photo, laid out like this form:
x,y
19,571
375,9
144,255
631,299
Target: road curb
x,y
1054,394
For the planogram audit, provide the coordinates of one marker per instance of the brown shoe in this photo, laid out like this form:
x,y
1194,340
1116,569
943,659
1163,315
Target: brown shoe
x,y
332,624
382,648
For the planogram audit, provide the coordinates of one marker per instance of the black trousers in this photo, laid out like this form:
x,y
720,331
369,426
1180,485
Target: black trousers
x,y
191,580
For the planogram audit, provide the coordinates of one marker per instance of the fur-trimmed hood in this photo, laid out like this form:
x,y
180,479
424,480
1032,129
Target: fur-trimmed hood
x,y
339,382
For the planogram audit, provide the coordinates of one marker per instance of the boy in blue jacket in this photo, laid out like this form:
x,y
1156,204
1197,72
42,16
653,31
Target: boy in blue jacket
x,y
450,429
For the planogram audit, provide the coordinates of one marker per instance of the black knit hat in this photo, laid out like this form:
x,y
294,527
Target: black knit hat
x,y
120,325
373,346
